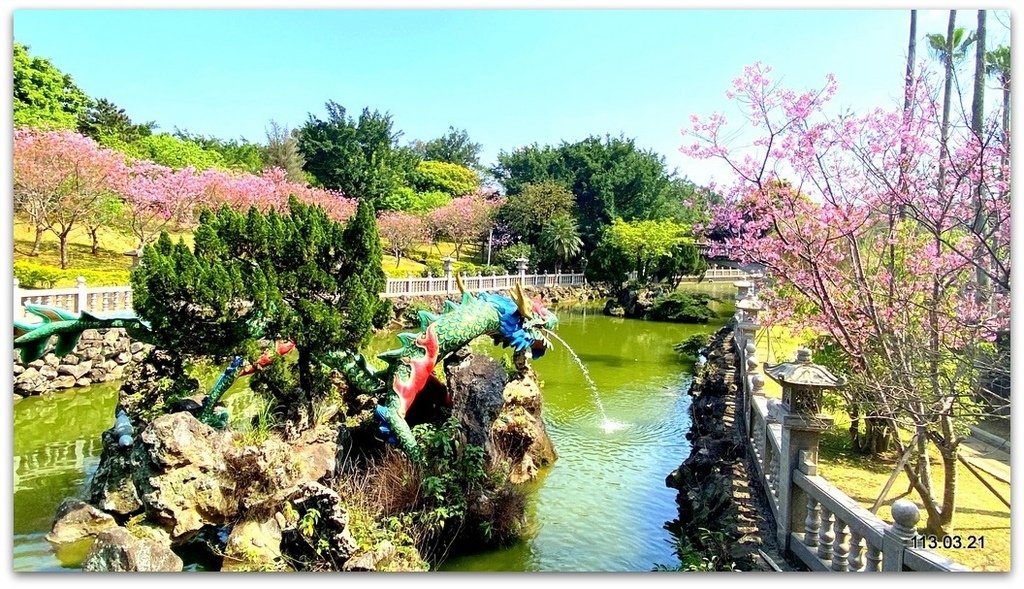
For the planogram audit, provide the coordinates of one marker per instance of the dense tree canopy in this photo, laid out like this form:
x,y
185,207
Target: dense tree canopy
x,y
359,157
296,275
44,96
451,179
453,147
106,122
235,154
525,212
658,247
610,177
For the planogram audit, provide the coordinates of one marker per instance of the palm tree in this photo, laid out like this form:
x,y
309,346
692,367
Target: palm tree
x,y
997,63
560,236
949,50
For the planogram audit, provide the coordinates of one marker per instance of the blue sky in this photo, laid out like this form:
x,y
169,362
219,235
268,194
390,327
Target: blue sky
x,y
509,77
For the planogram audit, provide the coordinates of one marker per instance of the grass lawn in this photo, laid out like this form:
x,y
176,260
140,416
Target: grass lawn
x,y
979,512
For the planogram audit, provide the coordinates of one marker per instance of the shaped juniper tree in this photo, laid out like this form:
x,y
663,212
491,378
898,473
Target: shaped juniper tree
x,y
256,277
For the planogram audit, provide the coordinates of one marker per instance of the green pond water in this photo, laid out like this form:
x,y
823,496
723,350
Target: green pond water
x,y
600,507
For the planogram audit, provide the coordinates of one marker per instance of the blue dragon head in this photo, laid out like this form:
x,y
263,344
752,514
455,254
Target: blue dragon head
x,y
523,321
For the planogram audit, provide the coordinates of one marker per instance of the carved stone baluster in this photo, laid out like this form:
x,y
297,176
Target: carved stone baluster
x,y
811,523
774,469
856,557
839,549
874,559
825,536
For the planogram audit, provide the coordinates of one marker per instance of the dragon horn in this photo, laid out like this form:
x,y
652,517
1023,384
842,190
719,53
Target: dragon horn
x,y
525,308
458,283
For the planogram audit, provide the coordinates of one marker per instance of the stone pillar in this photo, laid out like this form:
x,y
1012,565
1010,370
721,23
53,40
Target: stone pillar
x,y
898,536
803,384
447,261
82,297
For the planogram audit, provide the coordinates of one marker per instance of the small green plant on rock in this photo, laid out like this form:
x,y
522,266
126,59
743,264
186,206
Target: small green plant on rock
x,y
691,346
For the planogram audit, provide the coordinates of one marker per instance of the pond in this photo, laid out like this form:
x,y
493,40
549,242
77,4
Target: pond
x,y
600,507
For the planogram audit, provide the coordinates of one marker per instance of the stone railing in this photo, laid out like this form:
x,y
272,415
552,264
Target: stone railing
x,y
816,523
78,298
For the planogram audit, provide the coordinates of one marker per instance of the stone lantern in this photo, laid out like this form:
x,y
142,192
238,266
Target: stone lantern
x,y
803,384
447,263
742,289
521,264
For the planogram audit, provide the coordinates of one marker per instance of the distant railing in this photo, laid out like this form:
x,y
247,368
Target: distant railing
x,y
105,299
712,274
441,285
817,523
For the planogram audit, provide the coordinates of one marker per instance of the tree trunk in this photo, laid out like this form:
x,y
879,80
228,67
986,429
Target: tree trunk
x,y
63,240
95,241
908,86
947,98
1006,118
944,524
38,241
977,122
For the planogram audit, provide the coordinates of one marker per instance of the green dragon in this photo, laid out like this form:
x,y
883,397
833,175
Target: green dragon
x,y
517,322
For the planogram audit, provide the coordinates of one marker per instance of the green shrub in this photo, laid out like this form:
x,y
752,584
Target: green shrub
x,y
682,307
32,275
491,270
436,268
507,257
36,276
692,345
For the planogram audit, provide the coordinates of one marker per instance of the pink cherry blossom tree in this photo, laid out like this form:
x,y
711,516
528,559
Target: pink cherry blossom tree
x,y
463,219
270,190
59,177
156,195
401,231
867,246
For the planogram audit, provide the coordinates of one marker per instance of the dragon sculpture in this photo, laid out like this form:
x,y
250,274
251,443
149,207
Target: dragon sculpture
x,y
517,322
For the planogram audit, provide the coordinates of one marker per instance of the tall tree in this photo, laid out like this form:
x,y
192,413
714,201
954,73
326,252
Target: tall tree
x,y
402,231
981,253
463,220
452,179
105,121
44,96
997,63
948,50
359,157
282,152
526,212
609,176
453,147
560,239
